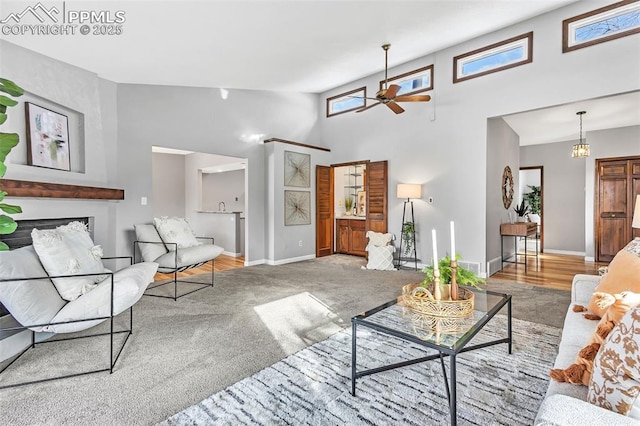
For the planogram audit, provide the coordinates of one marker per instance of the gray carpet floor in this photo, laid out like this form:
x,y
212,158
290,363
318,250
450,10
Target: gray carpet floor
x,y
182,352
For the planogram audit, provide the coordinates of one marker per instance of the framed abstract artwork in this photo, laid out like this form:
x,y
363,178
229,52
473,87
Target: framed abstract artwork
x,y
297,169
47,138
297,208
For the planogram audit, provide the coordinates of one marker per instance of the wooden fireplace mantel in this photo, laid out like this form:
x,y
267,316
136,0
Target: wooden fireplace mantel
x,y
24,188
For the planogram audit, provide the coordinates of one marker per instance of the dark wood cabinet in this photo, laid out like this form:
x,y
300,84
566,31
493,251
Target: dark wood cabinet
x,y
351,237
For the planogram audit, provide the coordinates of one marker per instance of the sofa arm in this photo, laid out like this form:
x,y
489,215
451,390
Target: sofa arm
x,y
564,410
582,288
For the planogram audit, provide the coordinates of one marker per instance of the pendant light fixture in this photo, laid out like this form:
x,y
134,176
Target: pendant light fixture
x,y
581,149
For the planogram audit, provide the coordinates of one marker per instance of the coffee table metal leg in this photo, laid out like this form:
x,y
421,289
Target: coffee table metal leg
x,y
353,358
446,382
509,329
452,403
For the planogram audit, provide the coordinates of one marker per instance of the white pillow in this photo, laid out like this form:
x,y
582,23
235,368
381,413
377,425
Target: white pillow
x,y
379,239
381,258
175,230
69,250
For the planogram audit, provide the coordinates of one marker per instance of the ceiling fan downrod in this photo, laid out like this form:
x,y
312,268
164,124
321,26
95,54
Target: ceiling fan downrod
x,y
386,54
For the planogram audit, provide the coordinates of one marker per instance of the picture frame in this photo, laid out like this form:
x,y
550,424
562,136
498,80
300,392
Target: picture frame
x,y
297,169
297,208
47,138
361,203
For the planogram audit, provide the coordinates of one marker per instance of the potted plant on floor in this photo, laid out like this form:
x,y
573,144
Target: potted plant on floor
x,y
7,142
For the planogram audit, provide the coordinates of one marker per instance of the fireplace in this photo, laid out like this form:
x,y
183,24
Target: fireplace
x,y
22,236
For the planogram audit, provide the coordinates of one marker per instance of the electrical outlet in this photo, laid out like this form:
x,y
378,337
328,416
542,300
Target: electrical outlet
x,y
300,243
143,201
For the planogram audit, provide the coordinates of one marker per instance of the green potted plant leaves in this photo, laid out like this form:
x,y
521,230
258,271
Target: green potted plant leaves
x,y
7,142
521,210
348,206
463,275
408,230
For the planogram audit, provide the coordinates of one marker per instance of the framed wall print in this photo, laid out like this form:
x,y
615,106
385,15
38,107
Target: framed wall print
x,y
297,208
297,169
47,138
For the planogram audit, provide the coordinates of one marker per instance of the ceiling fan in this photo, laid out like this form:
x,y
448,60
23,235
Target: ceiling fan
x,y
387,95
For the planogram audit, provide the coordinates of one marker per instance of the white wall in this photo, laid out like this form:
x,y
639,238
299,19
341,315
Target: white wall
x,y
227,187
168,184
443,144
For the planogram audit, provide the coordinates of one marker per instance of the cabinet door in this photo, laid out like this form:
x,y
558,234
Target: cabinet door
x,y
342,242
358,239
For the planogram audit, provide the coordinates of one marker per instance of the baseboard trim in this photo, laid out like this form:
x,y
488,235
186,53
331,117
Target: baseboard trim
x,y
230,254
567,252
255,262
290,260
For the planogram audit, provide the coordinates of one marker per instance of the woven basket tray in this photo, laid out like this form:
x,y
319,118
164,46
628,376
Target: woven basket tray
x,y
420,303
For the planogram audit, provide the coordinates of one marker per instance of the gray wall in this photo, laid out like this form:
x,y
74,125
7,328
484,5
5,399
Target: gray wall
x,y
443,144
564,195
225,187
168,185
502,151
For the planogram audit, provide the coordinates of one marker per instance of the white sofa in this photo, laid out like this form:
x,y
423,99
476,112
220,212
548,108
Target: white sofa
x,y
564,403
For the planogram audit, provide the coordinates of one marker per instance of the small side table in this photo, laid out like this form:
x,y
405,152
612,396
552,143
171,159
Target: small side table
x,y
515,230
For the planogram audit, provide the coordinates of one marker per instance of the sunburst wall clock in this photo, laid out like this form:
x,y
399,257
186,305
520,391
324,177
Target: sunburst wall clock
x,y
297,208
297,169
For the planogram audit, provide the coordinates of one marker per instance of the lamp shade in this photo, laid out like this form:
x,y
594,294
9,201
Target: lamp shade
x,y
636,214
409,190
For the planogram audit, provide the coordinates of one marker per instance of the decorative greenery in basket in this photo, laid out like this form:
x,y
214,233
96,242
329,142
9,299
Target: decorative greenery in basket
x,y
463,275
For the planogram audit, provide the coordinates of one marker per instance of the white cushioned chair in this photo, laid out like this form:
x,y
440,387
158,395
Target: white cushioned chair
x,y
30,296
174,255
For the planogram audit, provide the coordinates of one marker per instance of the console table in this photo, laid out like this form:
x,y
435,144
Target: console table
x,y
515,230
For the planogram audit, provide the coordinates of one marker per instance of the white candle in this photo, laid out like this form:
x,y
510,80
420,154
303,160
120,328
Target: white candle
x,y
453,242
435,250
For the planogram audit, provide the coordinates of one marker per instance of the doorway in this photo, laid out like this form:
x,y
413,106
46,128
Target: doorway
x,y
531,189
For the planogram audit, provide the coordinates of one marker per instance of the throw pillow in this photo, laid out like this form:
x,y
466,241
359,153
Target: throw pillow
x,y
615,382
69,250
580,372
623,275
633,246
175,230
379,239
381,258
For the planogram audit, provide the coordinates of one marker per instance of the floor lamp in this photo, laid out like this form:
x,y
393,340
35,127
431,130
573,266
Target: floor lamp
x,y
408,191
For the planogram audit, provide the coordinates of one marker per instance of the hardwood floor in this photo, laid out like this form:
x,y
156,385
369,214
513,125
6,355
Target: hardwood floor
x,y
222,263
553,270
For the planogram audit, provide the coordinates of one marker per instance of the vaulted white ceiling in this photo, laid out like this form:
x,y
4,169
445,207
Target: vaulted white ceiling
x,y
286,45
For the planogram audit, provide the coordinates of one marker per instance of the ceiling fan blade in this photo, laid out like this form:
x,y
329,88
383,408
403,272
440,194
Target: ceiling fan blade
x,y
395,107
414,98
363,97
368,106
392,91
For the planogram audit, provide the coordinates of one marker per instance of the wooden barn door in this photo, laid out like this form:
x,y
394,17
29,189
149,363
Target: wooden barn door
x,y
617,184
324,211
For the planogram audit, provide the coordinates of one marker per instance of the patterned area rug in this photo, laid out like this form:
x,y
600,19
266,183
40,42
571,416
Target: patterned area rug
x,y
312,386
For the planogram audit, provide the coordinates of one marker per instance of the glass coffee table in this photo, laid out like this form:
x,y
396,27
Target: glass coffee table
x,y
448,337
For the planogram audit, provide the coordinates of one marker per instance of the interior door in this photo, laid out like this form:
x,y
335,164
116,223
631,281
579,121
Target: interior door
x,y
618,183
376,187
324,211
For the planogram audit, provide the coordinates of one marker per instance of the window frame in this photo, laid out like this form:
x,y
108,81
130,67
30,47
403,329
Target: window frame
x,y
458,61
337,97
570,25
402,76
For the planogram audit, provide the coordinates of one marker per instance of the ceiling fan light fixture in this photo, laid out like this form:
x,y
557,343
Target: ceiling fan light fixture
x,y
581,149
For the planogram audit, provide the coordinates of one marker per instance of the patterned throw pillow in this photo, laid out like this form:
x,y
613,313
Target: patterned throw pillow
x,y
69,250
381,258
615,382
633,246
175,230
378,239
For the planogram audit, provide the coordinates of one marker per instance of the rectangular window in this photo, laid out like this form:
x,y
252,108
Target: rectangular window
x,y
345,102
496,57
416,81
600,25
